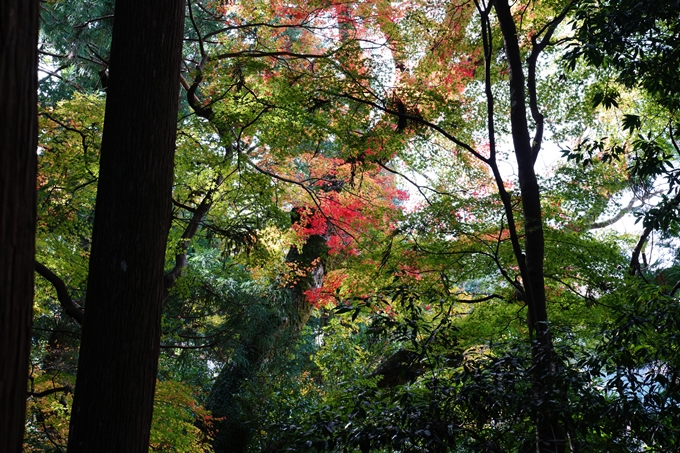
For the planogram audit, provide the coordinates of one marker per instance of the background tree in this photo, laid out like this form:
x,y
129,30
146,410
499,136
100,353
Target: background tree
x,y
437,343
125,291
18,135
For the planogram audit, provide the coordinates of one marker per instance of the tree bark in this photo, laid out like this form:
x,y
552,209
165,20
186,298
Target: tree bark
x,y
113,402
549,434
18,143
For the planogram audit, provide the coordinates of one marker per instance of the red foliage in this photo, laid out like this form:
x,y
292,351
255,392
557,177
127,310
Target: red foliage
x,y
326,294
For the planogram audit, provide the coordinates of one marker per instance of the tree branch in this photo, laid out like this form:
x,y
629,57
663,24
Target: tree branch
x,y
634,266
66,389
199,214
416,119
616,218
675,288
70,307
538,47
262,54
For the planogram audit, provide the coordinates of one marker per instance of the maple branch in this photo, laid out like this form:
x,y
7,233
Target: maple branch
x,y
312,195
49,432
199,213
514,241
288,180
416,119
198,33
570,287
70,307
413,183
204,112
538,47
487,39
261,54
194,102
66,389
531,263
183,206
675,144
481,299
675,288
83,137
261,24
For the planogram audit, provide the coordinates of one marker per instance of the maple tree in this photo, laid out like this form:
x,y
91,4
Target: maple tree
x,y
350,263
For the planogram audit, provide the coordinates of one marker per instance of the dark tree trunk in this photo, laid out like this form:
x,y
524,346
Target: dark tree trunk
x,y
118,361
549,434
18,142
234,433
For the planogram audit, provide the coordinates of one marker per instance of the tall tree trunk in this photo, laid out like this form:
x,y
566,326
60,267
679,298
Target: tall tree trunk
x,y
18,142
234,433
549,434
118,360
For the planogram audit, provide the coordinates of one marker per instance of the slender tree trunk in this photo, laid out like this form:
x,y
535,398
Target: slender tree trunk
x,y
549,434
18,142
118,361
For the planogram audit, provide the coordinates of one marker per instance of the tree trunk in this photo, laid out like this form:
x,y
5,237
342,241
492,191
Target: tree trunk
x,y
549,434
18,143
234,433
118,361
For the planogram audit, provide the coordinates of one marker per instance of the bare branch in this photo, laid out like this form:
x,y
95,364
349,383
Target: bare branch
x,y
190,231
634,266
96,19
262,54
67,389
605,223
538,47
70,307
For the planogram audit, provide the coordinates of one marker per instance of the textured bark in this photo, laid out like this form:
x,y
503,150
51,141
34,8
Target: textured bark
x,y
118,360
18,141
549,434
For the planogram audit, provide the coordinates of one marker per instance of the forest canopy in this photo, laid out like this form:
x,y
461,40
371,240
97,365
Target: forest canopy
x,y
373,226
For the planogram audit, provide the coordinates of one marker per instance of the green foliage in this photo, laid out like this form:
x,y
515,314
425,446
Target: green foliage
x,y
636,44
637,39
179,424
68,168
75,41
304,115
